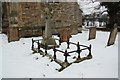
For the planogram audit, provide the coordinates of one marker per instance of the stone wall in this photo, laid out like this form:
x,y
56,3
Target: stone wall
x,y
32,14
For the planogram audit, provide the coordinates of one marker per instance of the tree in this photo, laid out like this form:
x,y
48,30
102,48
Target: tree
x,y
113,9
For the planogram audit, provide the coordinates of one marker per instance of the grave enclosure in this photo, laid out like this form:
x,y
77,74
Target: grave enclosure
x,y
48,42
53,57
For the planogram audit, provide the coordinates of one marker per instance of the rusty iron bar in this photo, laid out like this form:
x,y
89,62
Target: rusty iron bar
x,y
54,52
84,48
60,51
90,46
68,43
46,47
78,50
66,55
38,45
32,43
79,44
72,51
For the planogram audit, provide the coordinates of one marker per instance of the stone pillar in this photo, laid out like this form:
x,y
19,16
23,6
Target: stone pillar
x,y
47,37
48,33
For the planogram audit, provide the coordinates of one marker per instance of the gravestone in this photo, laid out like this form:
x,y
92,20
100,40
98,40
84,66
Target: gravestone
x,y
64,35
112,36
92,33
13,34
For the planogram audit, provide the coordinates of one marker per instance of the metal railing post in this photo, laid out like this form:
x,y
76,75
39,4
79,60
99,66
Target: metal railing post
x,y
65,54
54,52
38,45
68,43
78,50
32,43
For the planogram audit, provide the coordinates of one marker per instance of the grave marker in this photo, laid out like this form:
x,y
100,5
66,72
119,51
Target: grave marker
x,y
47,35
112,36
13,34
64,35
92,33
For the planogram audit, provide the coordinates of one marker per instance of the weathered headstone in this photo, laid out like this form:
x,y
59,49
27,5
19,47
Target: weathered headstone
x,y
92,33
13,34
112,36
64,35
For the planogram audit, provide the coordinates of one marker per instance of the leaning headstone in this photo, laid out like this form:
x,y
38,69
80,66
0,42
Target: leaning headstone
x,y
112,36
92,33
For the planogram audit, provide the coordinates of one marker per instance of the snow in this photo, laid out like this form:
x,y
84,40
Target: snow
x,y
0,57
19,62
96,24
89,6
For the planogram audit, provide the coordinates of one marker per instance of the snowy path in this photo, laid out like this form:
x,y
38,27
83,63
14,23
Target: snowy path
x,y
19,63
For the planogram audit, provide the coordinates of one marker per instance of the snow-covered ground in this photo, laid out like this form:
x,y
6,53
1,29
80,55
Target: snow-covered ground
x,y
0,56
19,62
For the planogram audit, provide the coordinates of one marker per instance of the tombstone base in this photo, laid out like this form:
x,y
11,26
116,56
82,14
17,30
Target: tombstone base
x,y
50,42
